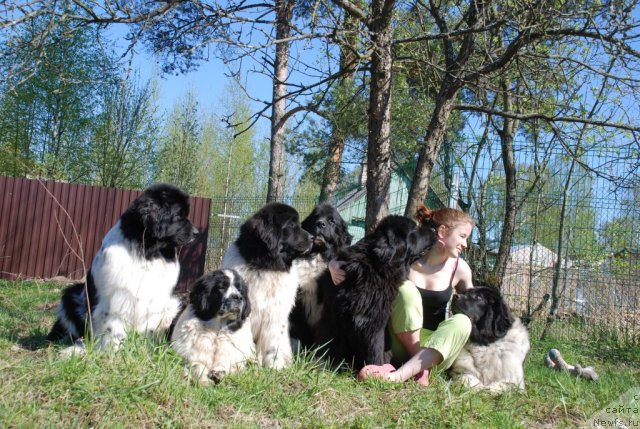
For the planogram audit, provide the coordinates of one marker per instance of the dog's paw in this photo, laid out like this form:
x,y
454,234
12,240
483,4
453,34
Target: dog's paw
x,y
77,349
216,375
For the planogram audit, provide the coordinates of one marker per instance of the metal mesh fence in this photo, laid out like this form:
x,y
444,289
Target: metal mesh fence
x,y
576,212
228,214
571,212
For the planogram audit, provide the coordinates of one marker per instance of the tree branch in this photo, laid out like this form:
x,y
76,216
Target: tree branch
x,y
352,10
548,118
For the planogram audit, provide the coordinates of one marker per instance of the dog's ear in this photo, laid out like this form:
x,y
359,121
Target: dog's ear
x,y
269,236
497,318
502,320
199,296
342,230
242,287
383,253
419,242
155,217
205,302
389,248
482,331
309,222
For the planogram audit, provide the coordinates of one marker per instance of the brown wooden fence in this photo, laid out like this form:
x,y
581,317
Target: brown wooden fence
x,y
50,229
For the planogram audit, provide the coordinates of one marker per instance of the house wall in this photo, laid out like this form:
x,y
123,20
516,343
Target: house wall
x,y
352,207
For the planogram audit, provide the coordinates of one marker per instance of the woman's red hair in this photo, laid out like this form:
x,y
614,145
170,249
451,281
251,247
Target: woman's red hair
x,y
446,216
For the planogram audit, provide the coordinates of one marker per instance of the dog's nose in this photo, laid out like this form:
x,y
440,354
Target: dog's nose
x,y
232,302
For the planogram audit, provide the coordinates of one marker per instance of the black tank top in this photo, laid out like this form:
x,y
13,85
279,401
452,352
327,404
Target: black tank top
x,y
434,303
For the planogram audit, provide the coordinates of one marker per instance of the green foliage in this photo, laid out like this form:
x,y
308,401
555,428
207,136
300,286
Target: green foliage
x,y
343,117
240,161
620,238
180,146
623,231
124,134
539,216
46,109
206,158
73,115
544,214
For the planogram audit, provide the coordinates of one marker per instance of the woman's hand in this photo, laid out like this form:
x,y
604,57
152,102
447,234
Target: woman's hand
x,y
337,273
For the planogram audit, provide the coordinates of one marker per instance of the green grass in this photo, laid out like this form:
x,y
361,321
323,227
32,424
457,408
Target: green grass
x,y
142,386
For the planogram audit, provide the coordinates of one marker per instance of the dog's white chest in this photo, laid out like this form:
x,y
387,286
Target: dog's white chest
x,y
129,284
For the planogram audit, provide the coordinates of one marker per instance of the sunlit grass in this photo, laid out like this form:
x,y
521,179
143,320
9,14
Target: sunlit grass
x,y
142,386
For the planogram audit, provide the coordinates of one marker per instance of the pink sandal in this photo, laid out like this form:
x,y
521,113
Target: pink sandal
x,y
376,371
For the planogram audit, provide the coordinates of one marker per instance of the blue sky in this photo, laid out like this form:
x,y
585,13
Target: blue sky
x,y
208,81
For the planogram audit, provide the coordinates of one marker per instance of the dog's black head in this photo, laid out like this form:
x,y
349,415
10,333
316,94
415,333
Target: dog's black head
x,y
223,295
330,232
158,220
420,241
399,241
272,238
490,316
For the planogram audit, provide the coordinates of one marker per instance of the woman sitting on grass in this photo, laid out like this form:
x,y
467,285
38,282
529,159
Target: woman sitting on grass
x,y
421,337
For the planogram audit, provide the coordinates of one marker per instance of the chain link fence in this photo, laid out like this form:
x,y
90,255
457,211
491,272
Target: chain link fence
x,y
577,227
228,214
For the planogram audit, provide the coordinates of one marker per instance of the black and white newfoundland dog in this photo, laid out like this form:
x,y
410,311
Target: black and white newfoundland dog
x,y
263,255
493,358
210,333
134,273
356,312
330,235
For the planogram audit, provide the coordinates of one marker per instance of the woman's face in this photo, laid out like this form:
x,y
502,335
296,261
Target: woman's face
x,y
455,239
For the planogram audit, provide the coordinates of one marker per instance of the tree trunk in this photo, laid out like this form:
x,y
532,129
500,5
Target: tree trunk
x,y
379,126
507,134
275,188
452,82
528,317
331,172
557,269
436,132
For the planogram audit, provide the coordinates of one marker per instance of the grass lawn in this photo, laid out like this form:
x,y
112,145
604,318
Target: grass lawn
x,y
142,386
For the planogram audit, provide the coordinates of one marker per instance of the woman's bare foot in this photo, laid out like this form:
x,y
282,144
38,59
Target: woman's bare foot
x,y
381,372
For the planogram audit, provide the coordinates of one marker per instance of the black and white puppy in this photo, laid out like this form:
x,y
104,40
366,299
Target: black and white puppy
x,y
330,234
210,333
133,275
263,255
493,358
356,312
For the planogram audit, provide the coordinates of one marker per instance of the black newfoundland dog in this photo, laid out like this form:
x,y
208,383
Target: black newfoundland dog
x,y
210,333
133,275
263,255
493,359
330,234
356,312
